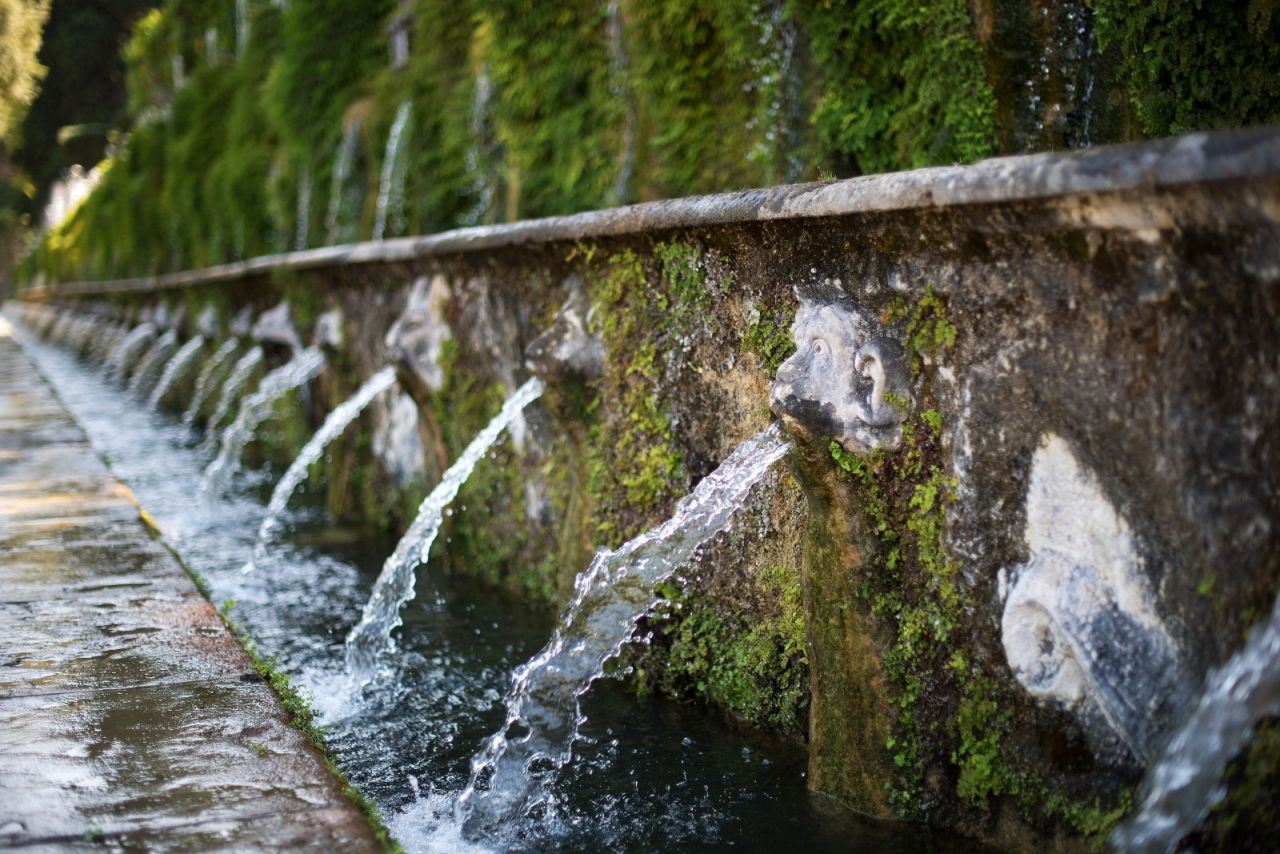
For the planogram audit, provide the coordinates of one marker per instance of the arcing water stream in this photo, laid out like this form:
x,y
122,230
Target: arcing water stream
x,y
175,369
255,409
616,590
205,383
232,389
371,638
337,421
645,775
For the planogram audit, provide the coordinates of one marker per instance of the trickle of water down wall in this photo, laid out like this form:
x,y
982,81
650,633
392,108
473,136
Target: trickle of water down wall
x,y
953,490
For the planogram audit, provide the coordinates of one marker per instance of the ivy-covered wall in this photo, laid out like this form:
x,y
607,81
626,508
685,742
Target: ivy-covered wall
x,y
522,109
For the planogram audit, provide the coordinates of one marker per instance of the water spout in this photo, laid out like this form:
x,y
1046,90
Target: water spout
x,y
509,774
205,381
343,164
338,421
255,409
231,389
1184,783
127,350
176,368
390,205
371,638
159,353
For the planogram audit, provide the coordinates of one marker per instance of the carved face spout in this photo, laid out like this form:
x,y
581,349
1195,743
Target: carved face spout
x,y
846,381
568,350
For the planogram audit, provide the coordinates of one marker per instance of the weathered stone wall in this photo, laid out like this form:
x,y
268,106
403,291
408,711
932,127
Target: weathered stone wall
x,y
1051,506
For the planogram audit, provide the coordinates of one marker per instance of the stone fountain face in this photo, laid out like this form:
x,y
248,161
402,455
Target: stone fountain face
x,y
242,322
207,322
328,330
568,350
275,326
415,342
848,379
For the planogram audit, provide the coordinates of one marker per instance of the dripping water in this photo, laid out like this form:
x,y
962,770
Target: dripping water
x,y
150,364
335,223
127,350
1185,782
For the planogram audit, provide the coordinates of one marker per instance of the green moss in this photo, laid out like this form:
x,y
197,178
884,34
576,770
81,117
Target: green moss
x,y
1245,820
757,669
1196,65
951,710
769,337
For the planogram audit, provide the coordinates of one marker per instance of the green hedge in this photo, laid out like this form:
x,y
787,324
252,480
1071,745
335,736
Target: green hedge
x,y
523,108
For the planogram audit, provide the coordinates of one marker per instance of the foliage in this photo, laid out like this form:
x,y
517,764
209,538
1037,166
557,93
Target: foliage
x,y
556,117
1196,65
903,83
755,669
21,22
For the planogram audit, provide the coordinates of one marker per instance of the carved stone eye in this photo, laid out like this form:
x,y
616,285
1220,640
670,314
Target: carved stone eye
x,y
819,347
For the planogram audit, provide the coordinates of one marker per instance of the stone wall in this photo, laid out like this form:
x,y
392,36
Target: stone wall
x,y
1034,488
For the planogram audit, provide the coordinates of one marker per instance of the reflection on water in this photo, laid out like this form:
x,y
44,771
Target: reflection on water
x,y
647,774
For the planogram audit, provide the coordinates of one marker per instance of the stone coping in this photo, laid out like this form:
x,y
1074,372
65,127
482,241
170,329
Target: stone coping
x,y
1192,159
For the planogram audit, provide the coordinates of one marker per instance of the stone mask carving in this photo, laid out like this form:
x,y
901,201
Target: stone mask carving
x,y
568,350
328,329
275,326
848,380
207,322
242,322
415,342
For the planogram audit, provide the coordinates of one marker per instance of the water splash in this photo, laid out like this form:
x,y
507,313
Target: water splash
x,y
205,381
395,169
231,389
337,421
343,164
254,410
510,773
149,366
127,350
1185,782
176,368
371,638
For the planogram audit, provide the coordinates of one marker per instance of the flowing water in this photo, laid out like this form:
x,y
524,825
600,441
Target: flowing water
x,y
514,775
145,374
371,639
337,421
646,775
1185,782
176,368
205,382
344,161
255,408
395,170
231,389
121,358
302,233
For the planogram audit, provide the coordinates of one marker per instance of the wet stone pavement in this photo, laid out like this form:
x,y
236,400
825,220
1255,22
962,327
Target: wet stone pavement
x,y
129,716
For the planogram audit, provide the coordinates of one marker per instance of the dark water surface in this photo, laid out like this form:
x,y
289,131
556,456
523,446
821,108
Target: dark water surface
x,y
648,775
